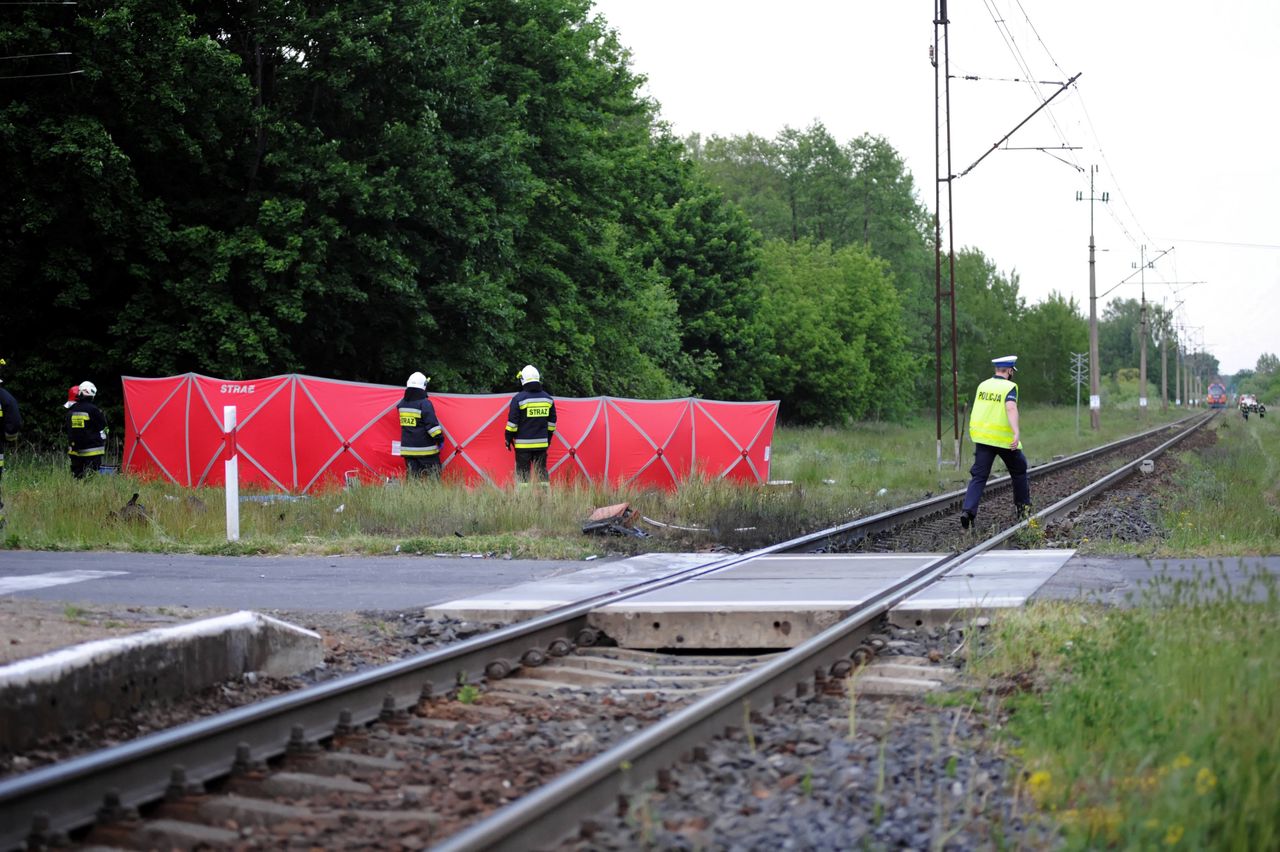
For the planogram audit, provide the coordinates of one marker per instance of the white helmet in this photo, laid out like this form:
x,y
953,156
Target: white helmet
x,y
530,374
417,380
88,389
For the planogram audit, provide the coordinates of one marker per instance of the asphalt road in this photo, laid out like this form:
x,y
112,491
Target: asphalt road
x,y
349,583
344,583
1128,581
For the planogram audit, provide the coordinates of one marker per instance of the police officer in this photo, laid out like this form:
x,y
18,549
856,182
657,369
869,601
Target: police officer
x,y
420,431
993,427
531,421
10,426
86,432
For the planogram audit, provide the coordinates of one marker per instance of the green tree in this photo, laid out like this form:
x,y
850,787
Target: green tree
x,y
989,313
1050,331
1118,335
841,352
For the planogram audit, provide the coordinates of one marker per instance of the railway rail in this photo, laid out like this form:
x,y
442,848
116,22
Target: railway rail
x,y
240,751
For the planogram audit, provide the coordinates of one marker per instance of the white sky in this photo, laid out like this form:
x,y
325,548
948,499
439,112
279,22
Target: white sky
x,y
1177,106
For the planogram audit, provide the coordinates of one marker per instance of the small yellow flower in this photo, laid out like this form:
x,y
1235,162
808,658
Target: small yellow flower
x,y
1205,781
1182,761
1040,783
1173,835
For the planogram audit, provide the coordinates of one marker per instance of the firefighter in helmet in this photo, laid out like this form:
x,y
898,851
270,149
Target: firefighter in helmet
x,y
86,432
531,421
420,431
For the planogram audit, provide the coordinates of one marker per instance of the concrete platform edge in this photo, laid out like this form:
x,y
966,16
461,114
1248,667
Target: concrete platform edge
x,y
96,681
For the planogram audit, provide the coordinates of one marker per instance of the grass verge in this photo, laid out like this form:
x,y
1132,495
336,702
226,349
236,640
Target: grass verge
x,y
1227,499
833,475
1151,727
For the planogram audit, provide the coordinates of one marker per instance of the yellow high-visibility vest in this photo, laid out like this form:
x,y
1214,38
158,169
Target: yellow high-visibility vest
x,y
989,422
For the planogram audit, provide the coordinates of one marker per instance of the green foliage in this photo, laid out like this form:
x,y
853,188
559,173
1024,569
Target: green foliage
x,y
1263,382
1050,332
1226,500
1156,727
356,190
841,352
989,317
803,185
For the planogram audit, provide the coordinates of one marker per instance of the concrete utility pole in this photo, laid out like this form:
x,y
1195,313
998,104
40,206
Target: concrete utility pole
x,y
1095,379
1164,361
1177,371
1142,336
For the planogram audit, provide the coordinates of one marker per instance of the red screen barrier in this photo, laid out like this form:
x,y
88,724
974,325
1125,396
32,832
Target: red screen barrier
x,y
300,433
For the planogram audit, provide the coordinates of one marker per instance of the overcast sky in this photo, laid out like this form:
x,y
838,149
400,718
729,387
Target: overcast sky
x,y
1177,106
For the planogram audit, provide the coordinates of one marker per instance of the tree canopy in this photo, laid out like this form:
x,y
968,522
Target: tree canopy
x,y
360,189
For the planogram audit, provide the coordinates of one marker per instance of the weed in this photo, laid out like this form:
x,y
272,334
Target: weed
x,y
468,694
834,473
74,613
1152,713
851,690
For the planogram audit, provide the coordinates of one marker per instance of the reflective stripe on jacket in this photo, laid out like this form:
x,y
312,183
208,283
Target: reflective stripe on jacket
x,y
420,431
989,422
86,430
532,418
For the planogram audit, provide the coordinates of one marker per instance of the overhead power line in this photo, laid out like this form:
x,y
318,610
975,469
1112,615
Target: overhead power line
x,y
35,55
34,76
1230,243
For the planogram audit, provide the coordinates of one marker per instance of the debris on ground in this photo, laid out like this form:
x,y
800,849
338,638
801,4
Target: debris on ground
x,y
618,519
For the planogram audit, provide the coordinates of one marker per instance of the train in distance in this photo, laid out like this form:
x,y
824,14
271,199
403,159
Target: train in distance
x,y
1216,396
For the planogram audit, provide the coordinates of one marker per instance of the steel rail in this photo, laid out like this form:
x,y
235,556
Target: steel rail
x,y
893,517
58,799
546,816
1087,493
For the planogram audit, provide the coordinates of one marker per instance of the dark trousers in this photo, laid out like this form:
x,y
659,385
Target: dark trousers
x,y
527,459
419,467
82,466
984,455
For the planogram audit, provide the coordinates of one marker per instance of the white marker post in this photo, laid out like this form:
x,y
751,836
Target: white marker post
x,y
232,468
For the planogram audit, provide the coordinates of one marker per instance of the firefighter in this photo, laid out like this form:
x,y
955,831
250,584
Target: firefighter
x,y
86,432
994,429
531,421
10,426
420,431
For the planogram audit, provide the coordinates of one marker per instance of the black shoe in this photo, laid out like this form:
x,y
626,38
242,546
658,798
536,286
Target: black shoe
x,y
966,520
1022,512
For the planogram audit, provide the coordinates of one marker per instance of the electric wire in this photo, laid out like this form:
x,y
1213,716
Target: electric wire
x,y
1002,26
35,55
34,76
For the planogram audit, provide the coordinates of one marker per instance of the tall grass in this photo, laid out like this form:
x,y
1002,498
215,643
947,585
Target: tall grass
x,y
832,475
1159,725
1227,502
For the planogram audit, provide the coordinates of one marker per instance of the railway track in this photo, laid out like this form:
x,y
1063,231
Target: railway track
x,y
390,751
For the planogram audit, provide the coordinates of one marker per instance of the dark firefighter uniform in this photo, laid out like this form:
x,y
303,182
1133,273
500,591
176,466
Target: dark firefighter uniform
x,y
86,437
420,433
10,426
531,421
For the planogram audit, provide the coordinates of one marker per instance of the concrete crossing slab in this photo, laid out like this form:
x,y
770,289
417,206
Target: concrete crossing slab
x,y
769,602
516,603
993,580
781,601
